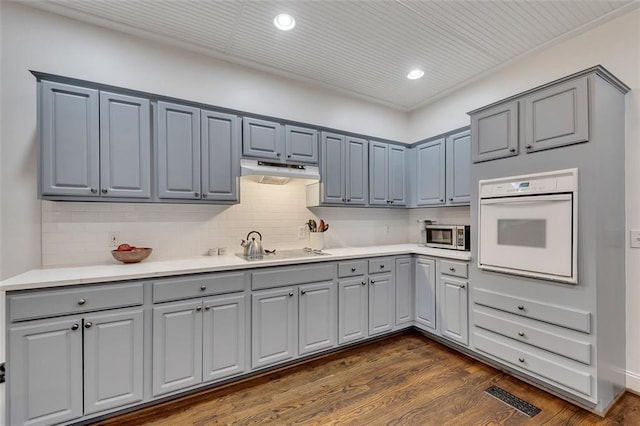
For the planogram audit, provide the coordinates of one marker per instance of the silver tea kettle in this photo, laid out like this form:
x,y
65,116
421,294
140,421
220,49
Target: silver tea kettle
x,y
253,249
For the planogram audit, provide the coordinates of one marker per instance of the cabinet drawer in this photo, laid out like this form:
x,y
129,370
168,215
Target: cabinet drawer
x,y
543,336
52,303
203,285
565,317
278,277
351,269
380,265
550,368
457,269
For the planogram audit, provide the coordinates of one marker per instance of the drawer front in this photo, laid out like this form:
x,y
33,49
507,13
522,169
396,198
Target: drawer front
x,y
351,269
541,336
546,367
279,277
52,303
457,269
565,317
203,285
380,265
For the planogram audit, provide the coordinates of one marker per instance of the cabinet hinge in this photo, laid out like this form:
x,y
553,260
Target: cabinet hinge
x,y
2,372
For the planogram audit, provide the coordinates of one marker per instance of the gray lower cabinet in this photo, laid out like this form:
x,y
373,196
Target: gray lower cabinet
x,y
458,169
381,303
64,368
425,299
317,317
404,291
430,173
273,322
494,132
387,174
453,309
344,169
274,142
70,140
353,309
556,116
197,341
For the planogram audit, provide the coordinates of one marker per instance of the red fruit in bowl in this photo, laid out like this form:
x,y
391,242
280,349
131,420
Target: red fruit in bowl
x,y
124,247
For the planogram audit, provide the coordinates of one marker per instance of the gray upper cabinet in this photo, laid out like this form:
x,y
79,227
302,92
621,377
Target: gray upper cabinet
x,y
262,139
224,337
301,144
177,346
178,151
344,169
387,174
317,317
220,156
113,347
425,298
454,321
352,310
45,379
69,137
125,146
271,141
556,116
494,132
273,320
430,173
458,154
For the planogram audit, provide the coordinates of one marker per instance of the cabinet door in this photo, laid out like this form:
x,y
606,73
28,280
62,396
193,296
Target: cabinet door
x,y
177,346
178,140
357,171
220,156
459,168
69,132
125,146
301,144
494,132
333,168
352,310
381,303
45,372
426,293
113,373
430,173
317,317
397,176
378,173
404,290
224,333
557,116
262,139
273,321
454,323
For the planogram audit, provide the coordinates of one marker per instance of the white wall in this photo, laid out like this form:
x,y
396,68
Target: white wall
x,y
37,40
616,46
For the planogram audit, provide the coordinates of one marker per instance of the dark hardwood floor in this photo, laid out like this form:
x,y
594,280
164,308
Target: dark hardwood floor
x,y
403,380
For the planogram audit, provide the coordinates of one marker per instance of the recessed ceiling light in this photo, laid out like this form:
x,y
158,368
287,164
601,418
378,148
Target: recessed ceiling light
x,y
415,74
284,22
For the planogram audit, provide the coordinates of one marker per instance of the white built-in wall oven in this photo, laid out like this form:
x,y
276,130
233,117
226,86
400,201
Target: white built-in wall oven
x,y
528,225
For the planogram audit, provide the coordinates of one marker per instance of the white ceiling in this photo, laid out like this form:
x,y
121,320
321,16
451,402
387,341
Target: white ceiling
x,y
364,48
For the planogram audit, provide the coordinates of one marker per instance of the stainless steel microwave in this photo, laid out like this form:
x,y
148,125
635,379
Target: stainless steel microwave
x,y
454,237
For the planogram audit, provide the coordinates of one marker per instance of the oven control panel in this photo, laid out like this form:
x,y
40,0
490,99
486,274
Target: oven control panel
x,y
532,184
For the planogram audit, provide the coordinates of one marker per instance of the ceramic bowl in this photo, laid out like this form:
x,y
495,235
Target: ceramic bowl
x,y
133,256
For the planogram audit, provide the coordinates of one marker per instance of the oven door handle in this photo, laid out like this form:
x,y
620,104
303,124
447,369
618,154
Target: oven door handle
x,y
535,199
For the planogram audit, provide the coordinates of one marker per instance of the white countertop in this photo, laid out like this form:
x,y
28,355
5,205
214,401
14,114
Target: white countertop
x,y
56,277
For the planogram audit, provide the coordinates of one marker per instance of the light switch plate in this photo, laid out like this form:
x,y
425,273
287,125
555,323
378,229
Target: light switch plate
x,y
635,238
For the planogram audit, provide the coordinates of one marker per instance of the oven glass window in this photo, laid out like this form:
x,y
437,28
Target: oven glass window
x,y
440,236
522,232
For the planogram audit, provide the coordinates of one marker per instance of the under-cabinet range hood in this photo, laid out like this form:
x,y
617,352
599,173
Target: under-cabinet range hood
x,y
277,173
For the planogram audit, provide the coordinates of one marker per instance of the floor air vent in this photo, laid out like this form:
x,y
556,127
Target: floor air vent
x,y
513,401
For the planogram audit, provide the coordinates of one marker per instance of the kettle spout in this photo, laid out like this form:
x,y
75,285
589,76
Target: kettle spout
x,y
243,243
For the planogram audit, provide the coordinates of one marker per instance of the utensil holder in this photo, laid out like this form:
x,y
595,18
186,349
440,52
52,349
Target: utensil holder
x,y
316,240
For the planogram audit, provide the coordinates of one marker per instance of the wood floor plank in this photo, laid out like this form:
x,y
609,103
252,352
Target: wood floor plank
x,y
406,379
